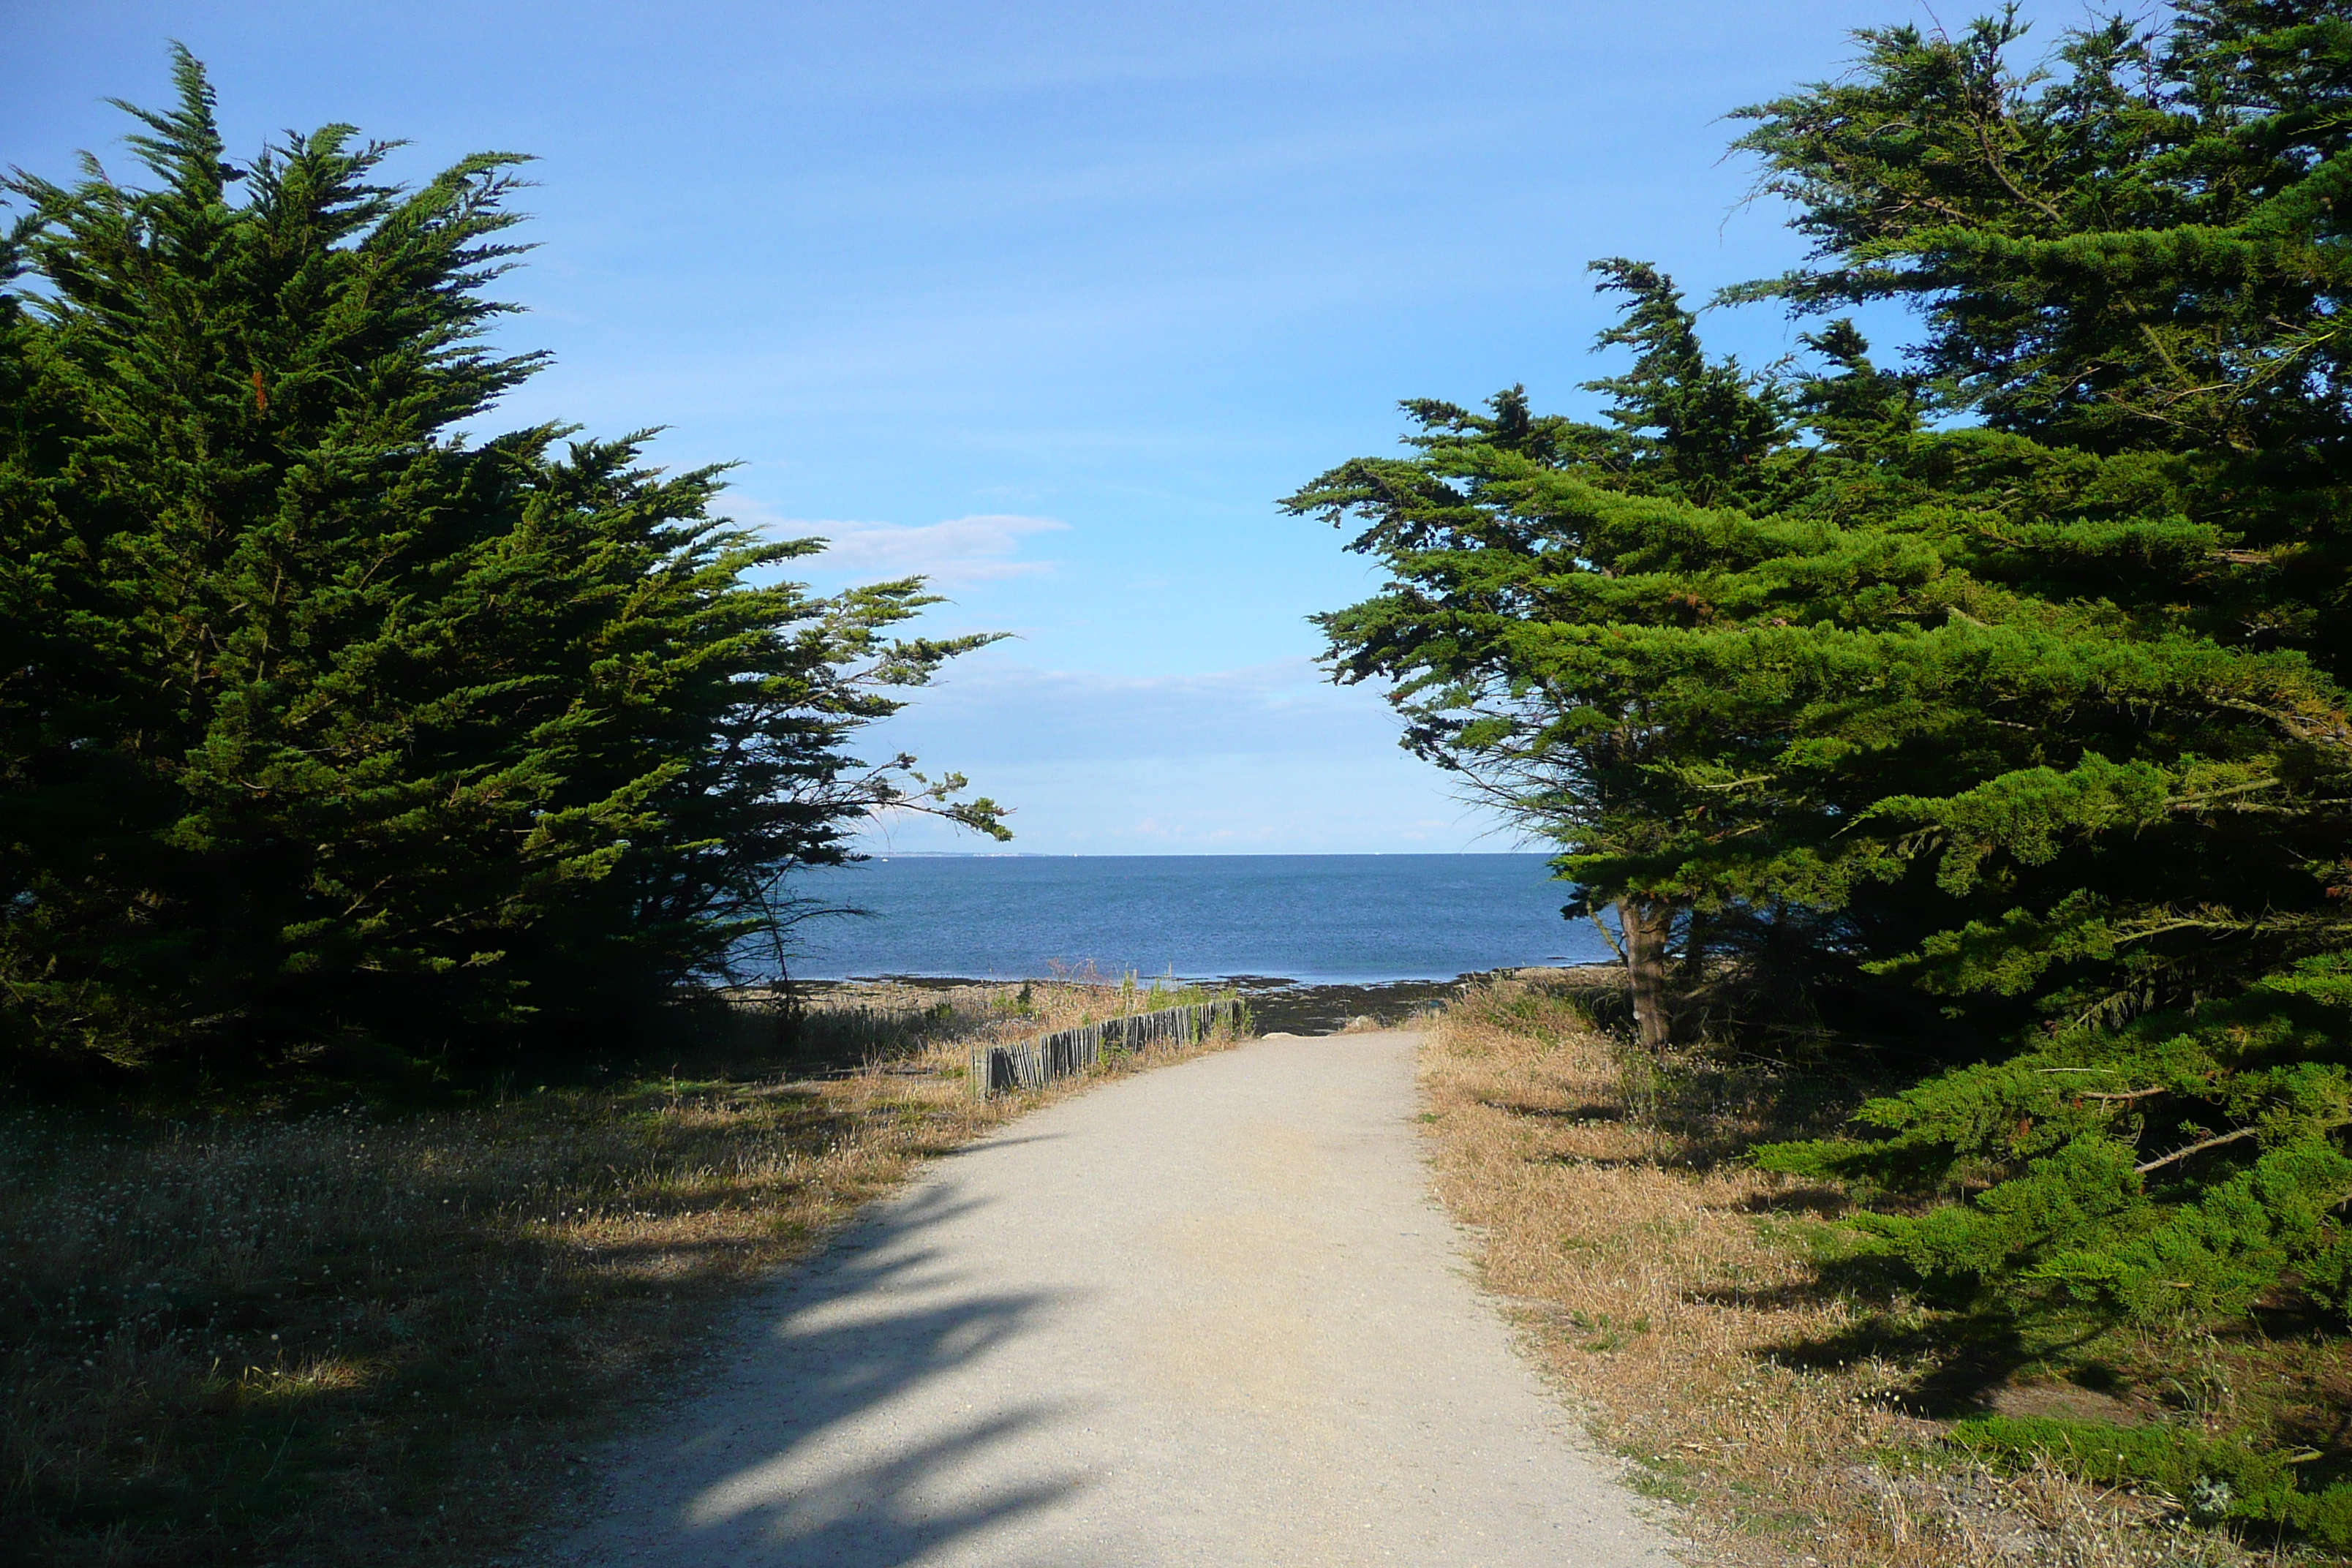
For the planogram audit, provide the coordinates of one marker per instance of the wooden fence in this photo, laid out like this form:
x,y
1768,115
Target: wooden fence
x,y
1069,1052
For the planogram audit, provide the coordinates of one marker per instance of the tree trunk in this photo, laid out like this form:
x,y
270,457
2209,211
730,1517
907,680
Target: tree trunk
x,y
1647,924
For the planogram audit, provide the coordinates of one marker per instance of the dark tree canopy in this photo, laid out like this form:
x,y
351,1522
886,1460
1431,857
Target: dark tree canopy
x,y
1987,710
323,726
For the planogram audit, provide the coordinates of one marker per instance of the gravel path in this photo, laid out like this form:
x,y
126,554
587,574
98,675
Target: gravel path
x,y
1205,1315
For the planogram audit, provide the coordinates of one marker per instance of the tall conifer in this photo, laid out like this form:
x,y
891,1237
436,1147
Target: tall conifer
x,y
324,725
2018,679
2128,265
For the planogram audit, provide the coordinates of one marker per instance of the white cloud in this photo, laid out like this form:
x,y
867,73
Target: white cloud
x,y
1374,800
961,549
994,707
1270,758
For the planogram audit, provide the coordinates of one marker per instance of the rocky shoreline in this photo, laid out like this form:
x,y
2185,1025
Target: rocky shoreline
x,y
1277,1004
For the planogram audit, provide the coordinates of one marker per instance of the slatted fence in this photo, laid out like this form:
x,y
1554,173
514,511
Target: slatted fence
x,y
1067,1053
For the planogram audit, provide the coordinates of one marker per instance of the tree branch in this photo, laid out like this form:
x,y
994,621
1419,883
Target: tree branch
x,y
2197,1148
1606,935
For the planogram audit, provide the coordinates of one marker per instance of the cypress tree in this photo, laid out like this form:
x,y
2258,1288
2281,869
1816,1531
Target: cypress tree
x,y
325,726
2016,679
1562,597
2128,265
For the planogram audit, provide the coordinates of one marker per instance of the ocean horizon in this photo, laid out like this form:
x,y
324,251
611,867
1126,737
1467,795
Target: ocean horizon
x,y
1365,919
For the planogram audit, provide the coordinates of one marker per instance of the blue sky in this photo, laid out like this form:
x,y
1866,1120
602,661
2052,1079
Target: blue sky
x,y
1050,301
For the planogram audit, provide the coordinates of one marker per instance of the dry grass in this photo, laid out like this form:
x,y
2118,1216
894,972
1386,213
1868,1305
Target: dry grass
x,y
1681,1299
351,1338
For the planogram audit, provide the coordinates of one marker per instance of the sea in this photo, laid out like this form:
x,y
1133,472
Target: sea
x,y
1310,920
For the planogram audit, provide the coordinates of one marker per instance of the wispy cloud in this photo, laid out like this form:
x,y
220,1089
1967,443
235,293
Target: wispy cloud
x,y
994,707
983,549
1267,757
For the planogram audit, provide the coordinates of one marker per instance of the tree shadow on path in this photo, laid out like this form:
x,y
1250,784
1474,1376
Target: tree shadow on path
x,y
792,1458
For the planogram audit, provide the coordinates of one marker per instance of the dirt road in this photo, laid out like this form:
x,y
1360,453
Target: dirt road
x,y
1206,1315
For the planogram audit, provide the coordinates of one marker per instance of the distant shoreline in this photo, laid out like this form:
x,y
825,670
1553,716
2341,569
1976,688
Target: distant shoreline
x,y
1277,1003
1196,855
1257,922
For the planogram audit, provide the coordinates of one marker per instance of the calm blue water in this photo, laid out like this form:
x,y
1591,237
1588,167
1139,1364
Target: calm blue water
x,y
1315,918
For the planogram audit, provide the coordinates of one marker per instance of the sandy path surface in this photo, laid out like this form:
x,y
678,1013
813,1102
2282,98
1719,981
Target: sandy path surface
x,y
1206,1315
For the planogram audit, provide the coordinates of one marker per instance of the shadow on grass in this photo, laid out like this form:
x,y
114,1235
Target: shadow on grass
x,y
1614,1161
1579,1114
1821,1202
348,1338
1955,1362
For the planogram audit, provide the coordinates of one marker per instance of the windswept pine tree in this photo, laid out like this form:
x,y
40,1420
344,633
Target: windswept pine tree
x,y
323,726
2013,680
1529,555
2129,267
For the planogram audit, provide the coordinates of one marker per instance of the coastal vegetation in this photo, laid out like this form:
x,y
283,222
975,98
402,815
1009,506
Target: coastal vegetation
x,y
1797,1398
342,1337
336,745
386,815
1973,732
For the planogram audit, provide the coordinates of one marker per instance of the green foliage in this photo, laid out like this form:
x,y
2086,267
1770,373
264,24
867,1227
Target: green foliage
x,y
2011,682
323,728
2057,1143
2213,1478
2128,246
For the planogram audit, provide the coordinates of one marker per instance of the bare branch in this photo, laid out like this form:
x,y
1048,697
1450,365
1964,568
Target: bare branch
x,y
2197,1148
